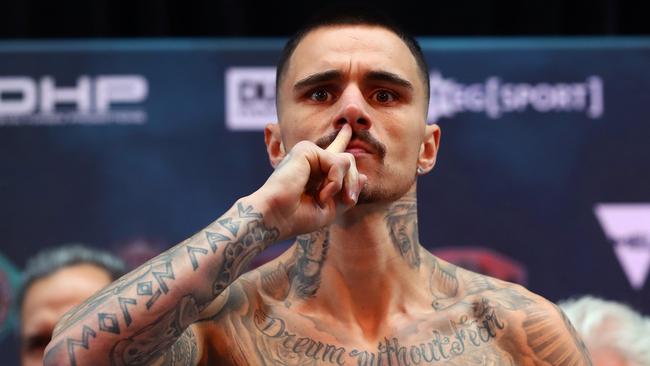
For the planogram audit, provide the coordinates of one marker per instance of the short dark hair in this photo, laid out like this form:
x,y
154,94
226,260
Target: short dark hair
x,y
49,261
351,15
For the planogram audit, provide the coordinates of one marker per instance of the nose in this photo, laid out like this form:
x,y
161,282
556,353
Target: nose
x,y
352,110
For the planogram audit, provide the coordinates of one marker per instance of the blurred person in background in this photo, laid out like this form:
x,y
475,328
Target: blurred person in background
x,y
615,334
54,281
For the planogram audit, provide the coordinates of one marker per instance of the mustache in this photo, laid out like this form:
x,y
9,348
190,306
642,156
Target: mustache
x,y
362,135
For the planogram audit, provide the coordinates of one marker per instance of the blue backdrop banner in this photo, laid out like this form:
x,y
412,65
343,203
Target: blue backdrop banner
x,y
542,176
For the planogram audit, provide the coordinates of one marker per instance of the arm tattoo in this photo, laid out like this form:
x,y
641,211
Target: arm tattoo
x,y
75,315
238,254
191,252
50,357
146,345
549,342
161,289
579,344
183,352
86,333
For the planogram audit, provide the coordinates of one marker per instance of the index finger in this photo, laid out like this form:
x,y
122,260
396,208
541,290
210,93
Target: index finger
x,y
341,141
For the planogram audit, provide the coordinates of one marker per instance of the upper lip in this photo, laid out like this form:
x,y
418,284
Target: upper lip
x,y
358,144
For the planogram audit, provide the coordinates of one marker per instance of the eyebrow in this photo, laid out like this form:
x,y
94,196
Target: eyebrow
x,y
386,76
335,75
318,78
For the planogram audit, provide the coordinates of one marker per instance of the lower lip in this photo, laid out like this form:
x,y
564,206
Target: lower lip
x,y
357,152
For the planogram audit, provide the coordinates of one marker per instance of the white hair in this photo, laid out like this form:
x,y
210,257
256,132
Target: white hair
x,y
610,324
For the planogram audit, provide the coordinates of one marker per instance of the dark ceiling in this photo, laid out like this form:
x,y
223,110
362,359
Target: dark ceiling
x,y
160,18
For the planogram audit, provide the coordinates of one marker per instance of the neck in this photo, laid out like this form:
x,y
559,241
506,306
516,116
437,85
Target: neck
x,y
364,267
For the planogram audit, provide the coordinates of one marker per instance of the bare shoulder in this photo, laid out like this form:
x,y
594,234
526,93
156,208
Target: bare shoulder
x,y
534,328
252,289
548,336
530,328
227,323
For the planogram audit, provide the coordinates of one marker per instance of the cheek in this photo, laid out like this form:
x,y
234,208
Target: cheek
x,y
404,129
297,130
404,146
299,116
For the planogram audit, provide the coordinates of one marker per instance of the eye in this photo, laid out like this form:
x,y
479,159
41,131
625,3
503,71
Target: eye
x,y
384,96
320,95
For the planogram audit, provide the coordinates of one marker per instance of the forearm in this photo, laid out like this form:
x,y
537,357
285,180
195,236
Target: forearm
x,y
137,318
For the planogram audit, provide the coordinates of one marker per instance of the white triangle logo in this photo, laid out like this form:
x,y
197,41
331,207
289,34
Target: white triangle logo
x,y
627,225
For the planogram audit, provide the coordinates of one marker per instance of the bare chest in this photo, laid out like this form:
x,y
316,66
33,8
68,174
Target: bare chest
x,y
280,340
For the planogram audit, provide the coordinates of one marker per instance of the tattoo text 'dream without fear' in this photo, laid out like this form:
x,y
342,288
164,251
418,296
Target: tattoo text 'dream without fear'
x,y
466,335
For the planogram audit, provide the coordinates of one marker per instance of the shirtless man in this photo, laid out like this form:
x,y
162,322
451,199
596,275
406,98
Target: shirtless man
x,y
356,288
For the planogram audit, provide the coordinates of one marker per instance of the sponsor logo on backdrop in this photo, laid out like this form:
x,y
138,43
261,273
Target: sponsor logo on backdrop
x,y
250,97
101,99
627,226
495,97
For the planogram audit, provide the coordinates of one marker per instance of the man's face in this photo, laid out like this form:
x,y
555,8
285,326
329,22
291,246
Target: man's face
x,y
48,298
367,77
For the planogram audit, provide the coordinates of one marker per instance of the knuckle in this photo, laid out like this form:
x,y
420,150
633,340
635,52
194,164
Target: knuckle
x,y
302,146
345,160
338,184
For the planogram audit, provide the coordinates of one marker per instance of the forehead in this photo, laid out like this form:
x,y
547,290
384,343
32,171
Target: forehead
x,y
352,48
65,287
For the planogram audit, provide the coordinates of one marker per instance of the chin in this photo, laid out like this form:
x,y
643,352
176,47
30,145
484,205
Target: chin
x,y
381,194
384,186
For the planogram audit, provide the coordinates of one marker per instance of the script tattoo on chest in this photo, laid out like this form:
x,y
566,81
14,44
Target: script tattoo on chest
x,y
465,336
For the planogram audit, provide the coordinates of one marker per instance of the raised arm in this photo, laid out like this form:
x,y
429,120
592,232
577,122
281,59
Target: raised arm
x,y
140,316
145,316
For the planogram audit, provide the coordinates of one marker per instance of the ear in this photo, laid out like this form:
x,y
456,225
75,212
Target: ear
x,y
429,149
274,145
